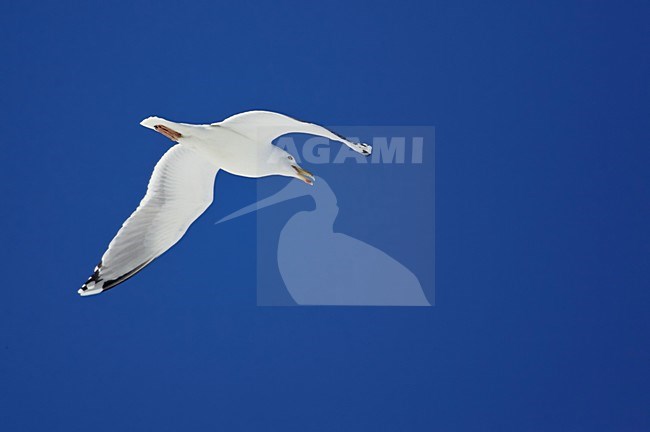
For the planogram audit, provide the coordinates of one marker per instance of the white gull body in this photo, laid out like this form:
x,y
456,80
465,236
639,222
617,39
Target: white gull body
x,y
182,184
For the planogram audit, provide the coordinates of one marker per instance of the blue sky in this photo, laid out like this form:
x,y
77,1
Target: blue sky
x,y
542,210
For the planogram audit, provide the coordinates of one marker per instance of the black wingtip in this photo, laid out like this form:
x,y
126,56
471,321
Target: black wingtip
x,y
94,278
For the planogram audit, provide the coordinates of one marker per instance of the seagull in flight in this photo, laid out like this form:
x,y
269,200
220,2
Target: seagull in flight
x,y
182,184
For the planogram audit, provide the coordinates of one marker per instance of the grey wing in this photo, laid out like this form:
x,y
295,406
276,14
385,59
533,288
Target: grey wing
x,y
267,126
180,190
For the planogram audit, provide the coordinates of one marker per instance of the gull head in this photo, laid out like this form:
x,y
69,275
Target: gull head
x,y
286,165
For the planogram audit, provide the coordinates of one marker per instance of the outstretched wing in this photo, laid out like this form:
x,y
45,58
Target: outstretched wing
x,y
180,190
267,126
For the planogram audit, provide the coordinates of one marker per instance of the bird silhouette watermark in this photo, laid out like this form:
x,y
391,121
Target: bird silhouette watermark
x,y
317,254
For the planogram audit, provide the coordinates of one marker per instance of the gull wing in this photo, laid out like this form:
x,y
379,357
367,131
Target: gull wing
x,y
267,126
180,190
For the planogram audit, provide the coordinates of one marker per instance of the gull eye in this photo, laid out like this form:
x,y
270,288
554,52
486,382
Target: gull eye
x,y
290,158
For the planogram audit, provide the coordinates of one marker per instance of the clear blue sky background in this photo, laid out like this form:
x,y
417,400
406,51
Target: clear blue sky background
x,y
541,318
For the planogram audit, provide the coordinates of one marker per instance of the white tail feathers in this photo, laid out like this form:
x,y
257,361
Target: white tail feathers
x,y
150,122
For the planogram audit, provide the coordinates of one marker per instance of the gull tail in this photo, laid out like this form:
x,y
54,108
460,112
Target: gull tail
x,y
151,122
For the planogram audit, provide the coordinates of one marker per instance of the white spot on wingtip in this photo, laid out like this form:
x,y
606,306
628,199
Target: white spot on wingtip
x,y
88,292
